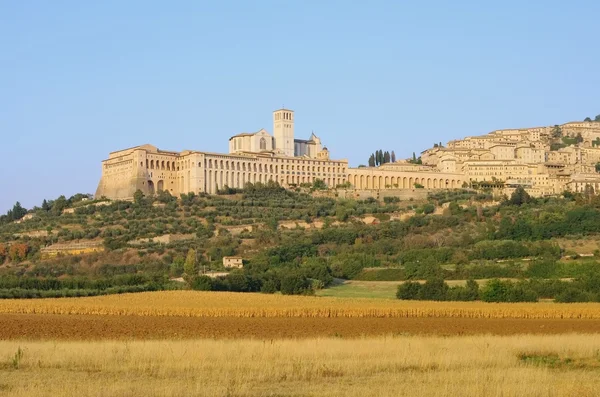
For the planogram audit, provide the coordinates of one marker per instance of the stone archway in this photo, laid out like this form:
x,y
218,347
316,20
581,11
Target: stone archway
x,y
160,186
150,187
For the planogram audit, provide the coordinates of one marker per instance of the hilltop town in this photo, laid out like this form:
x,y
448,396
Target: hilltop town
x,y
544,160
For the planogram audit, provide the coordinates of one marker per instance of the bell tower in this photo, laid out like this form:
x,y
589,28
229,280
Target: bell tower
x,y
283,131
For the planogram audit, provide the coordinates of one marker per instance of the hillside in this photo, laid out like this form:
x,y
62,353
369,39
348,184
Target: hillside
x,y
296,243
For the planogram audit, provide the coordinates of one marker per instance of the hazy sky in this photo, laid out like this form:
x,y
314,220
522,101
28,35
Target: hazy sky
x,y
79,79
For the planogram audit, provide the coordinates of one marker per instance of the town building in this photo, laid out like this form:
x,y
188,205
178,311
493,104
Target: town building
x,y
535,158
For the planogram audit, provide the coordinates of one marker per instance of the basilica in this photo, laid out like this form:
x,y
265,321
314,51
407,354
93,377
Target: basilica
x,y
253,157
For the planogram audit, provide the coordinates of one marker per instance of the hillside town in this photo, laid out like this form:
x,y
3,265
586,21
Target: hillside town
x,y
543,160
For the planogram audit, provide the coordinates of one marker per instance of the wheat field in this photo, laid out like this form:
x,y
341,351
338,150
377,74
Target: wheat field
x,y
524,365
225,304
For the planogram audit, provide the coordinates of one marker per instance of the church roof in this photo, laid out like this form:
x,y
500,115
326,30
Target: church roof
x,y
248,133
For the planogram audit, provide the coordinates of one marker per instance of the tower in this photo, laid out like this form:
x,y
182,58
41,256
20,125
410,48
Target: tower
x,y
283,131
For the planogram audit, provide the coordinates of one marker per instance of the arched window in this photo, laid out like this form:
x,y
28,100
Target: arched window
x,y
263,144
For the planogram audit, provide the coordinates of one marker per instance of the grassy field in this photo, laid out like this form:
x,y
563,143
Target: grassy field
x,y
565,365
361,289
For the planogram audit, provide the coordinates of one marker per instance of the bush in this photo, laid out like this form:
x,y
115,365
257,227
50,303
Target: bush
x,y
201,283
295,284
409,290
506,291
571,295
434,289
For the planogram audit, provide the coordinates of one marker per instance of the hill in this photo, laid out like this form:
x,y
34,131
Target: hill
x,y
297,242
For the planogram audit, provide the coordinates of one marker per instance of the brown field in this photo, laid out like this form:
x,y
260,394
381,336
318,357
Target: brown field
x,y
525,365
86,327
238,305
221,344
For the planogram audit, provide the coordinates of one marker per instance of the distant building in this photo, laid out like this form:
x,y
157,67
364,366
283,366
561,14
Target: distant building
x,y
256,157
233,261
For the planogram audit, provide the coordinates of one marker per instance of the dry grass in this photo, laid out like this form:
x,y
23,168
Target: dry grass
x,y
222,304
399,366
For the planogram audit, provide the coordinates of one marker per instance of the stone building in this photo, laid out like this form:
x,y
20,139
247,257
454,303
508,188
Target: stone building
x,y
255,157
514,157
233,262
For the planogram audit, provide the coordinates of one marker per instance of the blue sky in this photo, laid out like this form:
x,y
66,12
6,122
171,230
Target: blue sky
x,y
80,79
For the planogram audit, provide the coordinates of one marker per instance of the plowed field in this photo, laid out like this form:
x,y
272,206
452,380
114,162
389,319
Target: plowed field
x,y
60,326
189,314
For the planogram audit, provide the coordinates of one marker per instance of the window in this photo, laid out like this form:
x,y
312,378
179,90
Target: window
x,y
263,144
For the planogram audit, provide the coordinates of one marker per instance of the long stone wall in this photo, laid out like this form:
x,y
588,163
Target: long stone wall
x,y
374,178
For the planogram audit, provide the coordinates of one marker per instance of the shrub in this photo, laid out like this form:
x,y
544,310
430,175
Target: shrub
x,y
201,283
409,290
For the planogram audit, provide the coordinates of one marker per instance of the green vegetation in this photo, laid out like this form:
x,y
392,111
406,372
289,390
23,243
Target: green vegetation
x,y
453,235
380,157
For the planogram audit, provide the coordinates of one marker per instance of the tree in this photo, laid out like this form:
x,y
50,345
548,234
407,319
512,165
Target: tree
x,y
319,184
201,283
59,205
587,119
18,211
408,291
17,252
3,252
597,118
386,157
45,205
372,160
393,157
294,283
519,197
138,197
414,158
434,289
579,138
189,267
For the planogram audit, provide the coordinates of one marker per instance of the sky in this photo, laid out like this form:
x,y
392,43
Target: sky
x,y
79,79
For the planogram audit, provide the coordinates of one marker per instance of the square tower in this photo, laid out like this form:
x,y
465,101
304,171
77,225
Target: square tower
x,y
283,131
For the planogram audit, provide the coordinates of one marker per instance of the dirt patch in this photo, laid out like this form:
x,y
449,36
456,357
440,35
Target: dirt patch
x,y
56,326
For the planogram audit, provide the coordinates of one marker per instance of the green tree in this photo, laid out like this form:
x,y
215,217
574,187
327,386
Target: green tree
x,y
434,289
17,211
587,119
294,283
138,197
319,184
408,290
386,157
372,160
201,283
189,267
519,197
597,118
393,157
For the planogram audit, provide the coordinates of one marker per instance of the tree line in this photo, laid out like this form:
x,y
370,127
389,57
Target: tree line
x,y
380,157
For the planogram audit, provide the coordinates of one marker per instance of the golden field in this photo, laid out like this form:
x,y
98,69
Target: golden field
x,y
242,305
564,365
